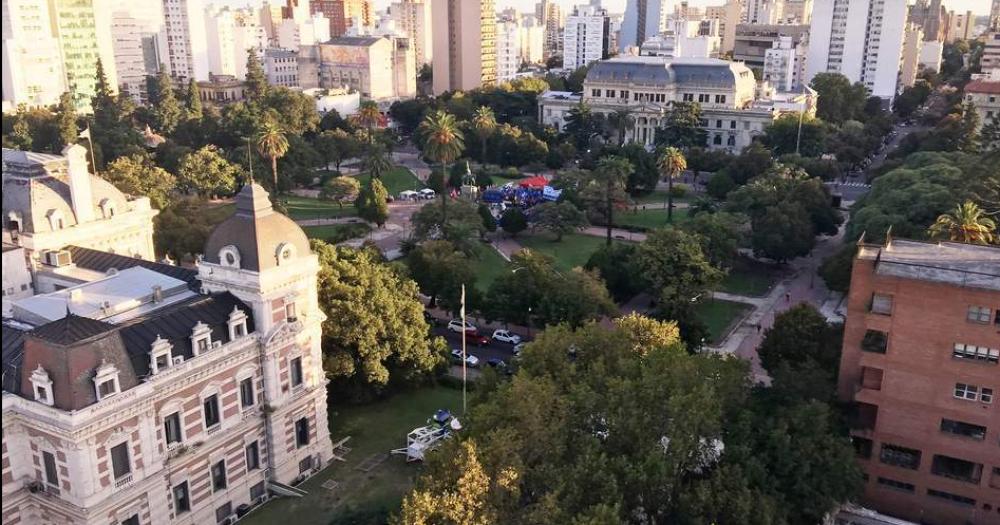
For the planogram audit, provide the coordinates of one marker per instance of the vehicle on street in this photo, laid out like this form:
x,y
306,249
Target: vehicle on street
x,y
470,360
408,195
427,193
474,338
506,336
455,325
431,320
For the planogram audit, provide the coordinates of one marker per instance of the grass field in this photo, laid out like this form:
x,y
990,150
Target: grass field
x,y
659,197
489,266
374,428
574,250
396,180
749,277
719,315
653,218
300,208
336,233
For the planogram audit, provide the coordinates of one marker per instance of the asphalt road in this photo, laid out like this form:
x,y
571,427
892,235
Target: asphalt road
x,y
492,350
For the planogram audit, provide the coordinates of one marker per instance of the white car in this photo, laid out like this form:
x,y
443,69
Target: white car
x,y
408,195
455,325
427,193
470,360
505,336
517,349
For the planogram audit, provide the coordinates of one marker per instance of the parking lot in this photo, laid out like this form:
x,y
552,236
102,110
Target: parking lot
x,y
492,350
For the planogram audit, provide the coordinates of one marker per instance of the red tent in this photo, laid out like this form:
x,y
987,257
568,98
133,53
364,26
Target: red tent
x,y
536,182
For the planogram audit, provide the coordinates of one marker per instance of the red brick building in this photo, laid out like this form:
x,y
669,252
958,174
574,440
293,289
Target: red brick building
x,y
920,367
342,12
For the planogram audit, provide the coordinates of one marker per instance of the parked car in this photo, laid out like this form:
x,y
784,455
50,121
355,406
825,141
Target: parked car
x,y
517,349
455,325
500,365
431,320
408,195
427,193
470,360
506,336
474,338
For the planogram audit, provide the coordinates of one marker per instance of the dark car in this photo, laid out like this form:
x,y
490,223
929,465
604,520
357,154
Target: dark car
x,y
475,338
431,320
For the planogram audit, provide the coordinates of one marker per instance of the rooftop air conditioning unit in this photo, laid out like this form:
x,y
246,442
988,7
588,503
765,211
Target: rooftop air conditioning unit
x,y
178,359
57,258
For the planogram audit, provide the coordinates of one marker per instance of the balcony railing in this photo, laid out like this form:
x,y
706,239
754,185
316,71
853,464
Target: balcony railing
x,y
124,481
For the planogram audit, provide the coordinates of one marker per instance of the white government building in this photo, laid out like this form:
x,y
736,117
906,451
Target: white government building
x,y
137,392
734,108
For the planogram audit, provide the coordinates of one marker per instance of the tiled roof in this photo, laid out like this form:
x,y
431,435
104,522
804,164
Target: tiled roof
x,y
71,329
983,86
103,261
13,353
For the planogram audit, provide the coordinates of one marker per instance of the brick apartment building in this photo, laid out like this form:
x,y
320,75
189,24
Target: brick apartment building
x,y
920,366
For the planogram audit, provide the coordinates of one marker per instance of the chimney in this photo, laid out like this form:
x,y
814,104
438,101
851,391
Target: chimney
x,y
76,295
79,183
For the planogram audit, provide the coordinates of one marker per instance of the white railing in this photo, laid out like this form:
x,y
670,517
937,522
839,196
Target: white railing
x,y
123,481
213,429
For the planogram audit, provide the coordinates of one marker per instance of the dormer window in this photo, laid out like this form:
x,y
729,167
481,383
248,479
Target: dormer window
x,y
237,324
201,338
229,256
56,220
106,381
41,386
160,357
107,208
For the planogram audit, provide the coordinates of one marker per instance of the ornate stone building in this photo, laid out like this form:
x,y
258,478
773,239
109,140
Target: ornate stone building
x,y
164,394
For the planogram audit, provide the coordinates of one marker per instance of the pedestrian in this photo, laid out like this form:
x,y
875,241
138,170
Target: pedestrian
x,y
758,327
788,297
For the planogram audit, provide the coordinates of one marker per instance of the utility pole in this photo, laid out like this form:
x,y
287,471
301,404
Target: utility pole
x,y
463,351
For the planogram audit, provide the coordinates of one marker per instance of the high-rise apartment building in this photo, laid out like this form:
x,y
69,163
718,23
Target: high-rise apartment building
x,y
187,49
550,16
920,367
464,44
32,62
83,28
644,19
959,26
931,16
136,44
796,12
508,39
728,16
413,19
532,40
784,64
913,41
586,36
995,15
230,33
861,39
764,11
343,14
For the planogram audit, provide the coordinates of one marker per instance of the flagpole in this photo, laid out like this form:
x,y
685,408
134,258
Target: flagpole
x,y
463,350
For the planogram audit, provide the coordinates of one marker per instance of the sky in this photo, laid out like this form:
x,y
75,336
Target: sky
x,y
978,7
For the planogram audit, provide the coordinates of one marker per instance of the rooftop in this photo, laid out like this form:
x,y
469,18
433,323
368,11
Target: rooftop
x,y
946,262
667,70
983,86
354,40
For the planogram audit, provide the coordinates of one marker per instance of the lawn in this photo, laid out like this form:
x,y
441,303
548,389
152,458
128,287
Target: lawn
x,y
374,428
337,233
396,180
749,277
574,249
659,197
652,218
489,265
719,316
300,208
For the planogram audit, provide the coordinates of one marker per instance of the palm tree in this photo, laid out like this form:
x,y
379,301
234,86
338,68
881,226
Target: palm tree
x,y
610,175
967,223
622,120
368,117
443,142
484,123
271,143
378,163
671,164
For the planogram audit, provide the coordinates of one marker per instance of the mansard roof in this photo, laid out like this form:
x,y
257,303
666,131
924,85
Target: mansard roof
x,y
103,262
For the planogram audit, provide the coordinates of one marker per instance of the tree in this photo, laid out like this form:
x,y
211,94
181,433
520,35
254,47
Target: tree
x,y
272,144
605,187
675,266
336,146
671,164
582,125
463,226
720,234
137,175
256,87
207,173
20,136
340,190
989,134
489,222
967,223
368,117
783,136
458,493
560,218
374,328
182,228
443,143
166,110
440,270
617,266
513,221
799,340
66,112
378,162
484,124
912,97
192,101
782,232
682,126
372,202
537,294
621,120
838,99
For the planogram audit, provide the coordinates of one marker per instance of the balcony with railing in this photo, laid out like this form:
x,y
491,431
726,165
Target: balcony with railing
x,y
124,481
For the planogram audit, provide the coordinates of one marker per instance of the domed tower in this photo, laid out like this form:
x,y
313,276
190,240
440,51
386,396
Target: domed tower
x,y
263,258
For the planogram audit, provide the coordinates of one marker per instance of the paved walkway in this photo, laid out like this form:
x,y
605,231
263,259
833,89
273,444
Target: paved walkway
x,y
616,233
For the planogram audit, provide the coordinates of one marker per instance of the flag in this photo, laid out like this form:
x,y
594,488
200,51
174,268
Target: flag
x,y
85,134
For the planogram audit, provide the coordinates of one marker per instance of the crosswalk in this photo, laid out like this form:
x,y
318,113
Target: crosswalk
x,y
849,184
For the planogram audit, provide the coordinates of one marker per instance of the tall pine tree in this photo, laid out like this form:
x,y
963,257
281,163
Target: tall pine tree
x,y
256,82
104,103
192,101
66,122
166,109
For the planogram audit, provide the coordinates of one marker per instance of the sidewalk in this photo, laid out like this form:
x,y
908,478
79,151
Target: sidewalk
x,y
616,233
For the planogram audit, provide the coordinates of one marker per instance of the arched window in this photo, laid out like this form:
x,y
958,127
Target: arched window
x,y
56,220
285,253
229,256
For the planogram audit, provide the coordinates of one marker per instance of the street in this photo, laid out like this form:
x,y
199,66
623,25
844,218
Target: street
x,y
490,351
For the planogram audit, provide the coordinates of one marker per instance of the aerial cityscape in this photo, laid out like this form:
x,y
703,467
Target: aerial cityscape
x,y
477,262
